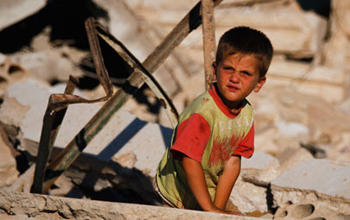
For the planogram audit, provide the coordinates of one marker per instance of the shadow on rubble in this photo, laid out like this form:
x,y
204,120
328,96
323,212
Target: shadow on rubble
x,y
91,178
98,177
65,19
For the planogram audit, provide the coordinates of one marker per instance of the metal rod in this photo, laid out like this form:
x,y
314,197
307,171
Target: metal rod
x,y
68,155
138,68
209,42
51,124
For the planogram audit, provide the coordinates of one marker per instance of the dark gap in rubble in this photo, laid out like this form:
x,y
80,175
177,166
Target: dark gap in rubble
x,y
304,59
22,162
142,98
321,7
20,35
269,200
14,69
65,18
55,82
114,195
67,21
117,69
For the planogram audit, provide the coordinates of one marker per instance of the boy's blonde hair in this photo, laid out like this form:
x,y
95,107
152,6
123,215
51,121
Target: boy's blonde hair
x,y
246,40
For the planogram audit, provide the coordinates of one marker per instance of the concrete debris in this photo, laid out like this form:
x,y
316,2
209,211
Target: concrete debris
x,y
8,167
261,169
249,198
48,65
315,183
34,206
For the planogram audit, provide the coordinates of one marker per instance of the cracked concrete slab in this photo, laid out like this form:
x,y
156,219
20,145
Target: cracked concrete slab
x,y
35,206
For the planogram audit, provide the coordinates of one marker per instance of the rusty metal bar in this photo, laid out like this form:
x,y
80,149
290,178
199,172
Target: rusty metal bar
x,y
142,72
209,43
52,122
190,22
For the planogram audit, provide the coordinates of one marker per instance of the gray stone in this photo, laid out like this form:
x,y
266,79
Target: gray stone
x,y
260,169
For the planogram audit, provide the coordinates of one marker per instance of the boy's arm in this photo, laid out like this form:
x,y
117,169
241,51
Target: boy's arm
x,y
226,181
196,180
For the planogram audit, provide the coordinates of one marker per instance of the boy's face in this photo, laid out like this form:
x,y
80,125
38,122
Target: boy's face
x,y
237,76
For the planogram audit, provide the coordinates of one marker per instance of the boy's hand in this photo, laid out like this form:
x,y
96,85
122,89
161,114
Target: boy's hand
x,y
220,211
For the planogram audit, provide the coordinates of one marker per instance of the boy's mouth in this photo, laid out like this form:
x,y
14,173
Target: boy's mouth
x,y
233,88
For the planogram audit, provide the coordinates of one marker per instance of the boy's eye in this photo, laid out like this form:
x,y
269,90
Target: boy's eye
x,y
246,73
228,68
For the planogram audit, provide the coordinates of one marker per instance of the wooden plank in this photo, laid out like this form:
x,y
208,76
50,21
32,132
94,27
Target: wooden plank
x,y
209,42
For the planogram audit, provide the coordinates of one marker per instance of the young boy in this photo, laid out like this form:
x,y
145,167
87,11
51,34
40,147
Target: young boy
x,y
216,129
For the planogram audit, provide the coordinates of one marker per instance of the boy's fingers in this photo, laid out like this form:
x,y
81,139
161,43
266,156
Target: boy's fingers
x,y
236,213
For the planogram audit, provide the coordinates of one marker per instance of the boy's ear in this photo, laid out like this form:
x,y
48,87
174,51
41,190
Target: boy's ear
x,y
260,84
214,71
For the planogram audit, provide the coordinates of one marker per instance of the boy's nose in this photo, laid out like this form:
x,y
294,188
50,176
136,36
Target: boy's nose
x,y
235,77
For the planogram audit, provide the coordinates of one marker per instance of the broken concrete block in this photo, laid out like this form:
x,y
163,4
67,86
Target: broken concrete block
x,y
13,11
12,113
51,207
48,65
35,101
260,169
249,197
314,210
303,30
336,51
313,181
319,81
8,166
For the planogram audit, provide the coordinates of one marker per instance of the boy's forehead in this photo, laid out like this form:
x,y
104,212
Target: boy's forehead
x,y
239,56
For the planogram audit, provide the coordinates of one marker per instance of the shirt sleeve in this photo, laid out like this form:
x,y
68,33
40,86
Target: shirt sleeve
x,y
192,137
246,147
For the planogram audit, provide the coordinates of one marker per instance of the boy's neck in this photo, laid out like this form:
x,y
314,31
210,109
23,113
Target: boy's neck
x,y
234,108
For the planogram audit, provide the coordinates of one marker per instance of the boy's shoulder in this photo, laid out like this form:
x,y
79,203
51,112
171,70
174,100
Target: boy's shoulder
x,y
202,103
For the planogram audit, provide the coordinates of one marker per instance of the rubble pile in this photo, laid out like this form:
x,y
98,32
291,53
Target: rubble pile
x,y
300,169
